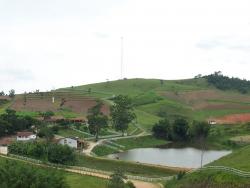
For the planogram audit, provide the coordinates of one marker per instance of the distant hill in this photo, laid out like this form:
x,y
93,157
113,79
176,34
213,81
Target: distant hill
x,y
195,99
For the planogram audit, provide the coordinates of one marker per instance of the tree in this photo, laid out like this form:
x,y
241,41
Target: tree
x,y
46,133
12,93
96,119
200,131
122,113
2,93
24,98
4,127
47,115
117,180
162,129
61,154
180,129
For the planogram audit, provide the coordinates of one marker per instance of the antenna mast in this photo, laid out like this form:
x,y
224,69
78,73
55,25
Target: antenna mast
x,y
121,57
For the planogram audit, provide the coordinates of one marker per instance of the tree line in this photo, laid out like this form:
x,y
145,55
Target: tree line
x,y
180,130
51,152
226,83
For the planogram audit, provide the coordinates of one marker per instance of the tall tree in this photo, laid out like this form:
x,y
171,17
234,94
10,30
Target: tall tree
x,y
96,119
122,113
12,93
180,129
200,131
162,129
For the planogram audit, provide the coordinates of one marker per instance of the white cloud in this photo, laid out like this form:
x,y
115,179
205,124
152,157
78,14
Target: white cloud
x,y
64,43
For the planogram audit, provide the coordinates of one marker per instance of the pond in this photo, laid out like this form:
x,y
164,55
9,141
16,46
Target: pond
x,y
175,157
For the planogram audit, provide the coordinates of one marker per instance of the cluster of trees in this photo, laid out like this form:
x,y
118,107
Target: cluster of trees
x,y
10,122
180,130
225,83
17,175
121,115
11,93
54,153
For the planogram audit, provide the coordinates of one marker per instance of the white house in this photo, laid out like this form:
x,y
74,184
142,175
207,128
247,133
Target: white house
x,y
71,142
25,136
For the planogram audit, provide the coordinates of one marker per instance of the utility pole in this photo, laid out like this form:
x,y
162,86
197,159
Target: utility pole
x,y
121,57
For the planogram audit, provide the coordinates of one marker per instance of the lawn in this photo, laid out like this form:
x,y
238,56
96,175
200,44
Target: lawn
x,y
81,181
141,142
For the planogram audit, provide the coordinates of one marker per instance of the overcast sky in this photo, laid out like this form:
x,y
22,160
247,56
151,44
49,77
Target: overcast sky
x,y
47,44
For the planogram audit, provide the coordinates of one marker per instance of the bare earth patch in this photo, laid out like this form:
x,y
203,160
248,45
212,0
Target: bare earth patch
x,y
234,118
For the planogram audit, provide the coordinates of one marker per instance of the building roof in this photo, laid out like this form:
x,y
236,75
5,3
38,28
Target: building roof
x,y
6,141
24,134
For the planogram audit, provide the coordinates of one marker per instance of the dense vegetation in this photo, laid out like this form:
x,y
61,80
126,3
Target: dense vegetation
x,y
180,130
53,153
10,122
225,83
18,175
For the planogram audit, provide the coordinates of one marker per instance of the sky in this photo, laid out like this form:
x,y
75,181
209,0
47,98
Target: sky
x,y
47,44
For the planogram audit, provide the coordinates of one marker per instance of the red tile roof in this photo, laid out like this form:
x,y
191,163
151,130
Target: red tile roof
x,y
24,134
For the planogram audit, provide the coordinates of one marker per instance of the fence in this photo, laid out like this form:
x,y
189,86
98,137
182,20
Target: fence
x,y
226,169
90,170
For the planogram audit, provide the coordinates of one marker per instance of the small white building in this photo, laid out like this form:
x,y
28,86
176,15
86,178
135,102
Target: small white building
x,y
4,150
25,136
71,142
212,122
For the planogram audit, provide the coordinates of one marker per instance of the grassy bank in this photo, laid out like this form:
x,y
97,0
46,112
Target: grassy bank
x,y
239,159
209,179
130,143
128,167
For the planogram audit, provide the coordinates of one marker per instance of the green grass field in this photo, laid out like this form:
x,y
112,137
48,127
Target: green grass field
x,y
127,167
191,98
80,181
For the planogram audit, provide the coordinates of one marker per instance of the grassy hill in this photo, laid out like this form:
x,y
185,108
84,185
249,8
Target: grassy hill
x,y
153,99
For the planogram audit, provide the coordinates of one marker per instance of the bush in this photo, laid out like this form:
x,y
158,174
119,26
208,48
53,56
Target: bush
x,y
17,175
49,152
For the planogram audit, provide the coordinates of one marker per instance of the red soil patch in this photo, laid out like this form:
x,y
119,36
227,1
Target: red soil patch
x,y
79,105
234,118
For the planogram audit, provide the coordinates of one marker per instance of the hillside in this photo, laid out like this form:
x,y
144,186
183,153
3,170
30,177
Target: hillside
x,y
153,99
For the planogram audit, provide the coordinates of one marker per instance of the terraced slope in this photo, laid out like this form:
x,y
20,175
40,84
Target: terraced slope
x,y
153,99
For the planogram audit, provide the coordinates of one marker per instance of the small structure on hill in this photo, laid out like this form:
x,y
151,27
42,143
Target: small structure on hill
x,y
73,142
212,122
25,136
